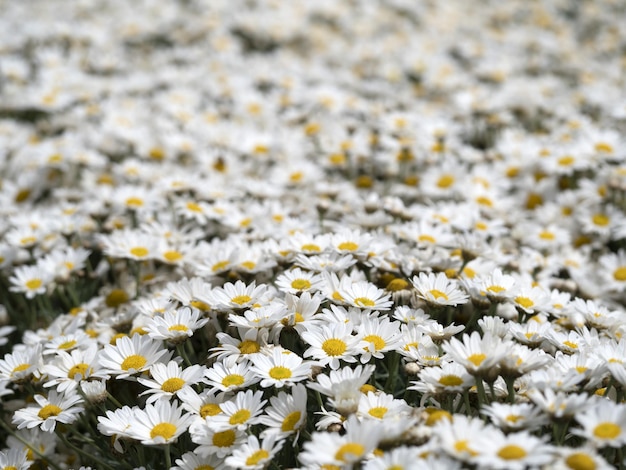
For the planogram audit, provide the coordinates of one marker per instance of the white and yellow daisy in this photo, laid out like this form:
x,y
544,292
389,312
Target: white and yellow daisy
x,y
175,326
22,364
129,356
278,368
241,412
603,424
159,423
296,280
193,461
331,343
31,280
365,295
169,379
237,296
438,290
377,336
287,413
231,376
50,410
255,455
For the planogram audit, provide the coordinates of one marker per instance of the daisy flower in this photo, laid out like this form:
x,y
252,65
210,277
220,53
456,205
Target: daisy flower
x,y
232,349
479,356
117,423
230,376
175,326
255,455
531,299
515,417
21,365
459,436
287,412
301,310
159,423
519,450
360,439
331,343
381,406
351,242
215,442
57,407
330,262
579,458
193,461
14,459
280,367
399,458
31,280
377,336
497,286
296,280
237,296
130,244
67,370
240,412
132,355
603,424
365,295
343,386
169,379
438,290
448,378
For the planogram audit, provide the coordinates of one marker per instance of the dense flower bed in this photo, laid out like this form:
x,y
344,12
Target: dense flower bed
x,y
263,234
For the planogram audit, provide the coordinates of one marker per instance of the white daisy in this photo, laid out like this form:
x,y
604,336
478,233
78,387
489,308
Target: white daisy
x,y
438,290
169,379
240,412
231,376
175,326
57,407
280,367
331,343
254,454
159,423
287,412
365,295
132,355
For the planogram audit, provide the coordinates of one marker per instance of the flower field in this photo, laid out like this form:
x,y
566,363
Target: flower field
x,y
253,234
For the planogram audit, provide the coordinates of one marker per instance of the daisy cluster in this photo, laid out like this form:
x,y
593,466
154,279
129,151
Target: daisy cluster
x,y
321,235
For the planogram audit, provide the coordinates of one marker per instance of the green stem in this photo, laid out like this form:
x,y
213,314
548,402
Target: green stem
x,y
482,396
114,400
180,348
81,452
168,456
510,388
393,363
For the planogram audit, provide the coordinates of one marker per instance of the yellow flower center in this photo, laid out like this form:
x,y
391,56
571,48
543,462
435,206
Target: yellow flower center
x,y
172,385
116,298
601,220
204,467
301,284
512,452
570,344
224,438
139,251
200,305
34,284
436,415
134,361
607,430
546,235
20,368
249,347
257,457
241,299
580,461
513,418
348,246
172,255
566,161
164,430
445,181
233,380
210,409
620,274
134,202
68,344
378,412
192,206
79,369
426,238
463,446
220,265
397,284
178,327
495,289
310,247
364,302
239,417
603,147
477,359
450,380
248,265
280,373
378,342
49,411
437,294
524,302
349,452
290,421
334,347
